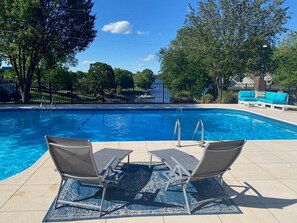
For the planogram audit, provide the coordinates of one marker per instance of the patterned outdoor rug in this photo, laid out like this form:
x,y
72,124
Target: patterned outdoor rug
x,y
140,193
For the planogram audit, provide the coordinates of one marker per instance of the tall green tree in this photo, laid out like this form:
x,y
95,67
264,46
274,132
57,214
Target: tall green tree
x,y
36,30
59,76
80,75
123,78
182,68
101,76
144,79
230,34
285,60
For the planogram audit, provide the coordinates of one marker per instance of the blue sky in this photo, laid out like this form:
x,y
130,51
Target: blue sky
x,y
131,32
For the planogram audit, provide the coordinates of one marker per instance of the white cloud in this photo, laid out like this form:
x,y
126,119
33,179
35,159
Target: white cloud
x,y
148,58
87,62
141,33
120,27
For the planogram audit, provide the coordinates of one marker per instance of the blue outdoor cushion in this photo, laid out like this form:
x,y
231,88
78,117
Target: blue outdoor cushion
x,y
271,95
265,100
246,94
281,96
247,99
280,102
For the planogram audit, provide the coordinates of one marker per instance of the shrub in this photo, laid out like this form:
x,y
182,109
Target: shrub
x,y
207,98
228,97
182,97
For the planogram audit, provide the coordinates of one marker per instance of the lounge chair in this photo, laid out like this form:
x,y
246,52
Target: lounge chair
x,y
74,159
184,168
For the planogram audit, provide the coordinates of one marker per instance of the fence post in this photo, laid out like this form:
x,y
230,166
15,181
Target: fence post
x,y
50,91
71,92
221,89
289,92
163,92
133,94
16,93
245,86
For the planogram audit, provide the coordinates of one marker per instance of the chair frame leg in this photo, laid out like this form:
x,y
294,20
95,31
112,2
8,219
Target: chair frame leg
x,y
224,189
151,159
184,186
59,192
102,199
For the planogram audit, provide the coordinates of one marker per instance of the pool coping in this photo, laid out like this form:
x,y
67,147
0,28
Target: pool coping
x,y
151,107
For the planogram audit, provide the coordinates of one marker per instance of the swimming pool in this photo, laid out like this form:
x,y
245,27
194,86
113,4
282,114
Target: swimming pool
x,y
22,132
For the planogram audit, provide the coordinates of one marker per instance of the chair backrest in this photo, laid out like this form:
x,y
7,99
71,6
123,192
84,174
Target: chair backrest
x,y
73,157
217,158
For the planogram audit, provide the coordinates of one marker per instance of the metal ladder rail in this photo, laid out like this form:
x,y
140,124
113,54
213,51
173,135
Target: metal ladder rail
x,y
42,103
202,132
177,129
53,103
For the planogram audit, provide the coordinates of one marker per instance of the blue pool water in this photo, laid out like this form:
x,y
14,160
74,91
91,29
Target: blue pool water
x,y
22,132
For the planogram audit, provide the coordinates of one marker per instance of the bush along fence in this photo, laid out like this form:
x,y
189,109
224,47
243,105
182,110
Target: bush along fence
x,y
86,93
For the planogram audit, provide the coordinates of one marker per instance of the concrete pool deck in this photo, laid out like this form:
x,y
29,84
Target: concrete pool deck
x,y
262,182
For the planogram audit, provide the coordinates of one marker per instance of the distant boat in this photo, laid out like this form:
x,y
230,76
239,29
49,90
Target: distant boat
x,y
146,96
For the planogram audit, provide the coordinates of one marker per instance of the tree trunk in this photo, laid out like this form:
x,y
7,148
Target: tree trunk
x,y
38,73
218,88
25,89
25,92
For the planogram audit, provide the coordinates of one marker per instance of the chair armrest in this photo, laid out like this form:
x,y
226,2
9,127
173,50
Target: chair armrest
x,y
114,177
181,166
109,164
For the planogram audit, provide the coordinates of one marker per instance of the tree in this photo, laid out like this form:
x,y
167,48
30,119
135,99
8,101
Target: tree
x,y
182,68
123,78
9,75
285,59
59,76
148,75
101,76
36,30
230,34
80,74
144,79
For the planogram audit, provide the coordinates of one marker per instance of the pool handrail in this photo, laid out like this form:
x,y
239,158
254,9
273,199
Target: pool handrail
x,y
202,132
178,129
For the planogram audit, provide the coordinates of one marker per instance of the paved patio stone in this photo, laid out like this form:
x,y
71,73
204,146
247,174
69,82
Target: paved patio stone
x,y
280,170
254,214
21,216
263,157
32,198
271,191
283,213
192,219
157,219
248,171
292,184
6,191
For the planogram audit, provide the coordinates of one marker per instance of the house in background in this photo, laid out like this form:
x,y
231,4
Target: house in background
x,y
247,81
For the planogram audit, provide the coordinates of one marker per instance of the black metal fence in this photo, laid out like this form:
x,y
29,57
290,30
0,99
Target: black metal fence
x,y
84,93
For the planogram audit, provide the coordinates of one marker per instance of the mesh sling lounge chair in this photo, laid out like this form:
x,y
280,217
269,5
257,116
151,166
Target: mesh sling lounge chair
x,y
74,159
216,160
